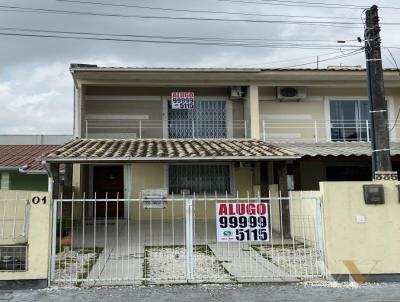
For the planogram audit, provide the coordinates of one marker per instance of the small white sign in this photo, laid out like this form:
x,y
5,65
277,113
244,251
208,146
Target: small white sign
x,y
361,219
242,222
182,100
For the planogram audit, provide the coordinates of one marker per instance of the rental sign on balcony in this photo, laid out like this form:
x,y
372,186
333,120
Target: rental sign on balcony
x,y
182,100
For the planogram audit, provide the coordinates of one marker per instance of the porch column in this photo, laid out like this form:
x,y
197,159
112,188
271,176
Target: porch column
x,y
251,113
67,185
55,175
281,171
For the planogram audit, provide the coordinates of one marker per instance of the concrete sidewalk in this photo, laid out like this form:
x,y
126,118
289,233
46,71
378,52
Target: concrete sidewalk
x,y
326,292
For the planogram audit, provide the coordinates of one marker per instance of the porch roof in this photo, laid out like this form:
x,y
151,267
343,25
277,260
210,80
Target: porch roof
x,y
334,148
130,150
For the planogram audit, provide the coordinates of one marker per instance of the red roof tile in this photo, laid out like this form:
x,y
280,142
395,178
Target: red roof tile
x,y
16,156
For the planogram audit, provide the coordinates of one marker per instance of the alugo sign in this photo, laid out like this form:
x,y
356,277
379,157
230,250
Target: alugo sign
x,y
182,100
242,222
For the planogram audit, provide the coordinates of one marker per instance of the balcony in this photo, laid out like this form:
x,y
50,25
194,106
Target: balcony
x,y
137,128
320,130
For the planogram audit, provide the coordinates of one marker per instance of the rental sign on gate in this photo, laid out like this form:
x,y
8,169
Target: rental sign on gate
x,y
242,222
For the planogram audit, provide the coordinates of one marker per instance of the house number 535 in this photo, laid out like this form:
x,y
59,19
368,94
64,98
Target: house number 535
x,y
37,200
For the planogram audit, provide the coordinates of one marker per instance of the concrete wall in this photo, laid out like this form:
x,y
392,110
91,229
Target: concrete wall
x,y
373,246
295,120
154,176
38,236
303,207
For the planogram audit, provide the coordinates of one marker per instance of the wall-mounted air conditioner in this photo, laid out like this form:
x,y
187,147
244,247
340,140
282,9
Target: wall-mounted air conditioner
x,y
291,93
238,92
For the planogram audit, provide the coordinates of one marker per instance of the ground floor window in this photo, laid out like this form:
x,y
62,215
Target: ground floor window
x,y
199,179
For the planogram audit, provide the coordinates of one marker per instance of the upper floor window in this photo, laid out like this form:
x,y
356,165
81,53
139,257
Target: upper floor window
x,y
349,120
206,120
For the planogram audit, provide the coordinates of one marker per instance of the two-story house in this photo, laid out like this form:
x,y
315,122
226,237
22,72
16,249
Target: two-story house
x,y
246,129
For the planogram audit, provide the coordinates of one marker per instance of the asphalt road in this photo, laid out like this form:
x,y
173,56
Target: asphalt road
x,y
285,292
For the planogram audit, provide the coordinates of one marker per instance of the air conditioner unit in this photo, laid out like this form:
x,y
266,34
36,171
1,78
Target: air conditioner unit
x,y
238,92
291,93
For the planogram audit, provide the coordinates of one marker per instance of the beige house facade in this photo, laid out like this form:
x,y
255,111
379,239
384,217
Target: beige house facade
x,y
320,116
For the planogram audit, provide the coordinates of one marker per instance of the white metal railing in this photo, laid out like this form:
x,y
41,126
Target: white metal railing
x,y
320,130
132,128
178,241
14,219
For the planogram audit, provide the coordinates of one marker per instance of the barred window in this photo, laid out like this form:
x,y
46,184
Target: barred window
x,y
206,120
199,179
13,258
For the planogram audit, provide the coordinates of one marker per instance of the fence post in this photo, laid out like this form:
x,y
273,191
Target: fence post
x,y
367,126
193,129
140,128
189,238
263,126
316,130
53,241
86,128
245,128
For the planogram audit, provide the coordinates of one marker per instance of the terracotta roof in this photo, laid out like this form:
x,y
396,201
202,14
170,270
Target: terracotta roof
x,y
335,148
18,156
105,150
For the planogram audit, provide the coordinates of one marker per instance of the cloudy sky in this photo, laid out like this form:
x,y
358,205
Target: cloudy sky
x,y
36,87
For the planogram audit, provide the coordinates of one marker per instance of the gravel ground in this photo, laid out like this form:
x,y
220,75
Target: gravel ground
x,y
322,291
297,261
163,263
74,264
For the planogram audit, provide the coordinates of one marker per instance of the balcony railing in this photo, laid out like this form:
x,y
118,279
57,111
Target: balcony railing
x,y
130,128
319,130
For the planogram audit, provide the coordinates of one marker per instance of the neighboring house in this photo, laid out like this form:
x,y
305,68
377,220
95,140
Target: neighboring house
x,y
248,128
19,165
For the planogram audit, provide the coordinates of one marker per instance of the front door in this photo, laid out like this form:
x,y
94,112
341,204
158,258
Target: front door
x,y
108,182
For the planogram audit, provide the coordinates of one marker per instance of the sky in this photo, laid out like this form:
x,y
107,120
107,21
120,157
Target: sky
x,y
36,88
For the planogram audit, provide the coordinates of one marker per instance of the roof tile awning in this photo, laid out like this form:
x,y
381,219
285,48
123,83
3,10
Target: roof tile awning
x,y
334,148
129,150
14,157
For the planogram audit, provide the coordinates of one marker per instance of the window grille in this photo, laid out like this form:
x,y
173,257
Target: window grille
x,y
206,120
199,179
13,258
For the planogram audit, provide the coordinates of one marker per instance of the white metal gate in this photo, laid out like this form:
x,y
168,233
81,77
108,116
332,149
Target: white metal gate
x,y
175,241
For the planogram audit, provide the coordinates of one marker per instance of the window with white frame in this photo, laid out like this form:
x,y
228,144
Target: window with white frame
x,y
199,179
349,120
206,120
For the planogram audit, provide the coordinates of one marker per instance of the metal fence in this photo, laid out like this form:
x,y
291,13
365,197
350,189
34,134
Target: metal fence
x,y
130,128
14,219
186,239
319,130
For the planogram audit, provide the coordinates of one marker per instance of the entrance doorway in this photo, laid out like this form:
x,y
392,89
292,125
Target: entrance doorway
x,y
108,182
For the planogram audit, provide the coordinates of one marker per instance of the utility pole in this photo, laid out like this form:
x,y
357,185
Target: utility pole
x,y
381,161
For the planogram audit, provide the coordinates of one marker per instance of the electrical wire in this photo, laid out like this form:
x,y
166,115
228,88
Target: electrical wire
x,y
69,12
219,39
168,41
305,4
353,53
202,11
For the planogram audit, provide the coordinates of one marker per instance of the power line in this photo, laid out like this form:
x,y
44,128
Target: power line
x,y
205,43
202,11
69,12
305,4
289,60
356,52
247,41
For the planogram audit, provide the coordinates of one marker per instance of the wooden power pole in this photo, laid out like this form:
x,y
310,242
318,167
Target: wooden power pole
x,y
380,145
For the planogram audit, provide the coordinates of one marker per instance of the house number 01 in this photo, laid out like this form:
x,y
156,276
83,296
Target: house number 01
x,y
37,200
